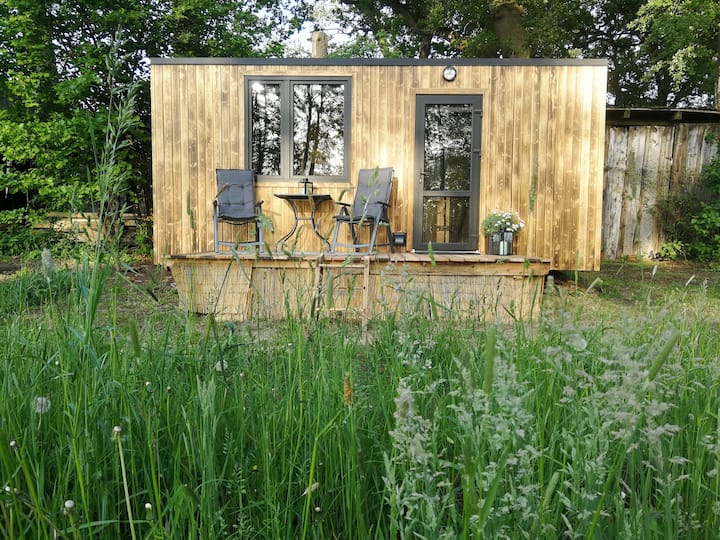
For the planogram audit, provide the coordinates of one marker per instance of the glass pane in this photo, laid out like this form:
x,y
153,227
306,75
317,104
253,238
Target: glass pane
x,y
445,220
318,129
448,143
265,136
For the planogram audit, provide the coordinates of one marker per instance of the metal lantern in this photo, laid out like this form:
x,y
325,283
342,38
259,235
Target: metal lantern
x,y
306,186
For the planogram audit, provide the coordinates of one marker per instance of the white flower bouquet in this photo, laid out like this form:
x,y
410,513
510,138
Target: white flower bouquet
x,y
501,221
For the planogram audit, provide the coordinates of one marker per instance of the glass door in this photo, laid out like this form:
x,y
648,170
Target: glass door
x,y
447,172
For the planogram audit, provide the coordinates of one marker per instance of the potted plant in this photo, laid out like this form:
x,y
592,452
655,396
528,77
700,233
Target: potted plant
x,y
500,228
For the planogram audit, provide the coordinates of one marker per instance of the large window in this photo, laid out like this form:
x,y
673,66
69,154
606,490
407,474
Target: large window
x,y
299,128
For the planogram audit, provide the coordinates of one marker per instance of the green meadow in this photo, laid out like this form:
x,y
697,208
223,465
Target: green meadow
x,y
123,416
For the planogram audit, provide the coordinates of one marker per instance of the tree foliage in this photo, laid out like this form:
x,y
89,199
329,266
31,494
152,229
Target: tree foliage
x,y
54,74
660,52
681,42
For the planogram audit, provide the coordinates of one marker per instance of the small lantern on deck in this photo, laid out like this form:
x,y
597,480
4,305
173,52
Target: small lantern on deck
x,y
306,186
399,239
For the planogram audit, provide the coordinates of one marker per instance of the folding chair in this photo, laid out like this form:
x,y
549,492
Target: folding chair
x,y
235,204
370,208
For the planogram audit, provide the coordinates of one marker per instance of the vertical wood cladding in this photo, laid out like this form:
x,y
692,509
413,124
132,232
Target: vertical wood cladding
x,y
543,144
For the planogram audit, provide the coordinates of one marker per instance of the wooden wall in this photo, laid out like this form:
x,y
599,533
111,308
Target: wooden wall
x,y
644,163
542,145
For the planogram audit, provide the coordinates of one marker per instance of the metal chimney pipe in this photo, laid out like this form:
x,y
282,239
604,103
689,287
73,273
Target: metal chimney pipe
x,y
319,44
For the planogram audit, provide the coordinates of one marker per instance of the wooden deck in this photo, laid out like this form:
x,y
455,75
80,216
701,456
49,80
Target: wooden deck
x,y
469,286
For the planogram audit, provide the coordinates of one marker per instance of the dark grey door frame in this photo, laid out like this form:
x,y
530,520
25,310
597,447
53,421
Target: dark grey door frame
x,y
421,102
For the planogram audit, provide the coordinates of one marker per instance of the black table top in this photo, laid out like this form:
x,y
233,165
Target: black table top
x,y
315,197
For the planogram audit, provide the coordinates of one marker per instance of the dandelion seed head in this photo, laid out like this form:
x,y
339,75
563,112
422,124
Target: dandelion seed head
x,y
148,386
117,430
13,445
148,507
42,404
221,365
68,506
46,261
317,509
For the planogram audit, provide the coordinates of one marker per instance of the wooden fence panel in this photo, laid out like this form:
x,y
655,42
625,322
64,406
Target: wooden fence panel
x,y
643,164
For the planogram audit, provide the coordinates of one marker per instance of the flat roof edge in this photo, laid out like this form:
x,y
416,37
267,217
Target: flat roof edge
x,y
383,61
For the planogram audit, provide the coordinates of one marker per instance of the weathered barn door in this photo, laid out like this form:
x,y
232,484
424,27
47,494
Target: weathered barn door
x,y
447,172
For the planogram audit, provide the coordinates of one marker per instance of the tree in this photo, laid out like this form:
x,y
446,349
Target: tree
x,y
660,52
54,91
429,28
681,40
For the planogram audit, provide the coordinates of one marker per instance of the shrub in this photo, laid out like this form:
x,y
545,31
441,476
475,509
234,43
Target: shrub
x,y
691,219
671,251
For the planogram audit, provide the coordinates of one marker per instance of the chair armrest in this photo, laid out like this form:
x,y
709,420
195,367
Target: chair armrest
x,y
343,204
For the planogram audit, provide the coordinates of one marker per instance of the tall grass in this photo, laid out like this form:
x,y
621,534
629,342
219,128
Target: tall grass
x,y
155,424
176,427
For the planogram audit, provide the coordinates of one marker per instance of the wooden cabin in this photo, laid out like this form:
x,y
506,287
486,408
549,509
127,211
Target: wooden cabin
x,y
464,136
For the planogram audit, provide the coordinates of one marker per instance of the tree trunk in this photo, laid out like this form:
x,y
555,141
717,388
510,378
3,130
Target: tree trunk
x,y
509,29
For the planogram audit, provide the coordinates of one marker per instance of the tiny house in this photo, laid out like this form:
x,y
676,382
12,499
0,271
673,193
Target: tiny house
x,y
464,137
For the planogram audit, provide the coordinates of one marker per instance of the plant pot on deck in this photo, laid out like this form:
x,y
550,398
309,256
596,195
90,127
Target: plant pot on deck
x,y
500,243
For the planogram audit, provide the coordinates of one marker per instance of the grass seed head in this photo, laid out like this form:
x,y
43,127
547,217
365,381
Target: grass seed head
x,y
312,488
347,391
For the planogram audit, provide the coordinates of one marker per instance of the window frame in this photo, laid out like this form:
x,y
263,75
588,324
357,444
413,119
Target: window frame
x,y
287,121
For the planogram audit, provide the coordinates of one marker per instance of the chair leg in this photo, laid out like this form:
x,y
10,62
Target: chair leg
x,y
373,236
259,236
215,230
353,231
333,244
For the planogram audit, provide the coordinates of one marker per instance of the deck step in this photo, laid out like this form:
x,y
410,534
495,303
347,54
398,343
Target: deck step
x,y
336,285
